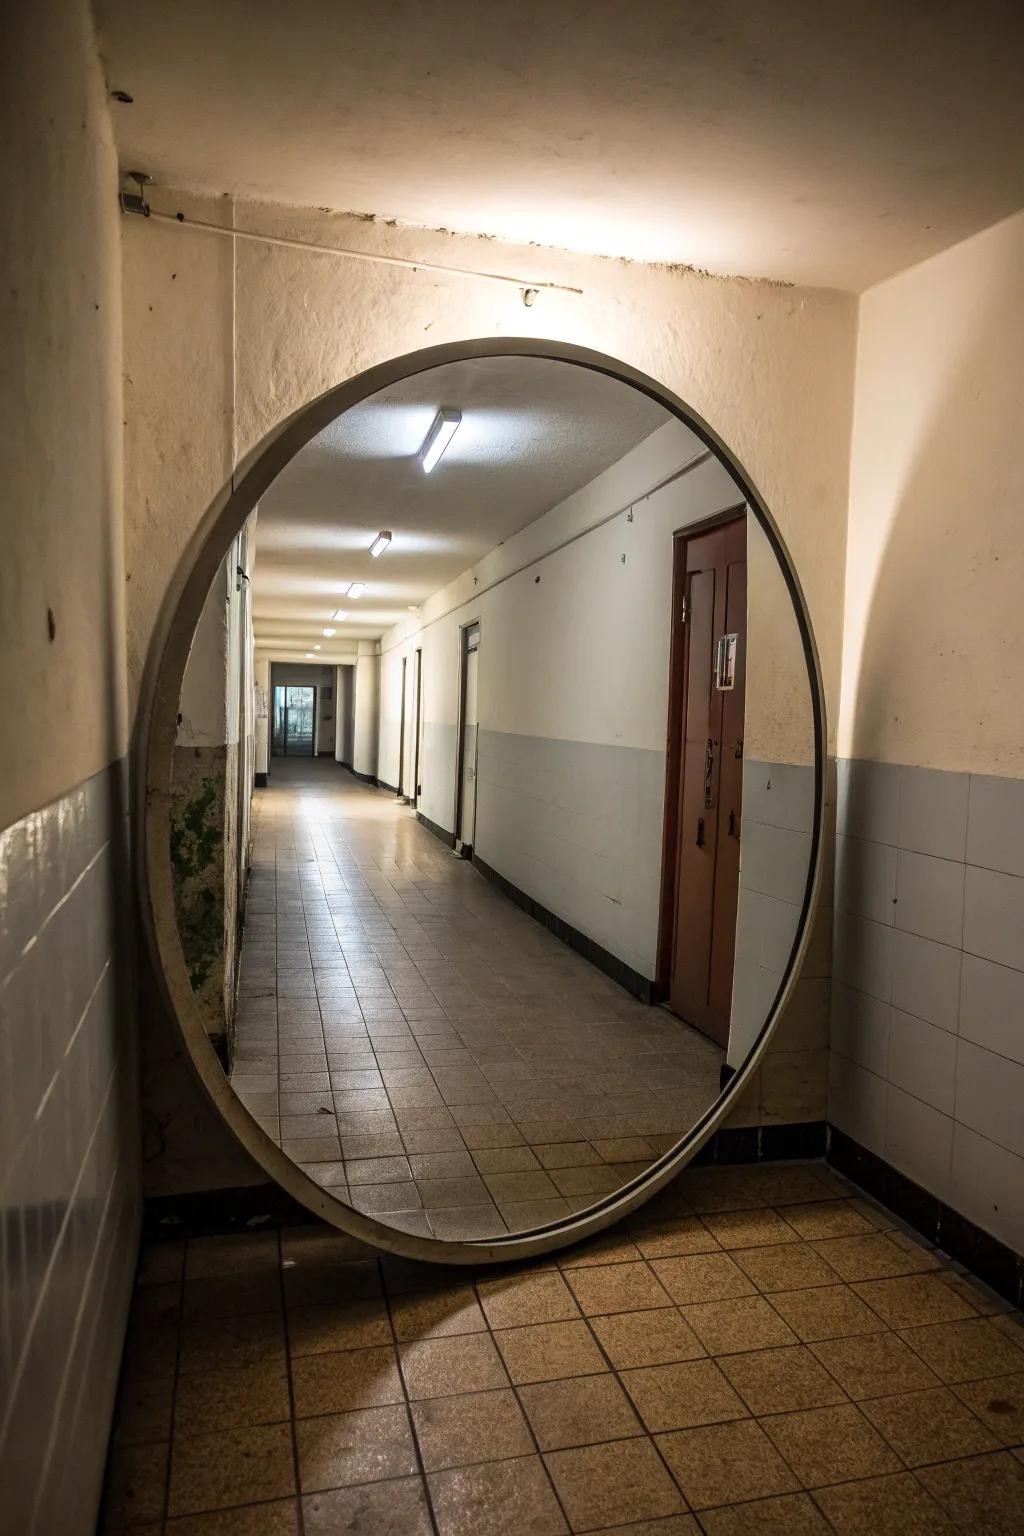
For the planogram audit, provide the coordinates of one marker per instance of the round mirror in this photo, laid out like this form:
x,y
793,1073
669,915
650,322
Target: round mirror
x,y
483,797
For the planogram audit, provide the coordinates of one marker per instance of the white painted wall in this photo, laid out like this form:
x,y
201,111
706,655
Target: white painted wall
x,y
344,717
367,710
933,666
263,703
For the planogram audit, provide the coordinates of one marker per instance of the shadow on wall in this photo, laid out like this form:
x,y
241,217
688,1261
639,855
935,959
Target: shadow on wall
x,y
937,667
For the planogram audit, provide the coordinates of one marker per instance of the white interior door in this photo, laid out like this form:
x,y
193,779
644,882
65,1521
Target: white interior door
x,y
469,752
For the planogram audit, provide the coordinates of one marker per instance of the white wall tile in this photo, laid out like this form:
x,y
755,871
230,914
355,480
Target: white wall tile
x,y
930,897
987,1186
990,1095
862,954
922,1060
992,1007
860,1028
868,800
918,1141
994,916
865,878
926,978
995,828
933,812
856,1103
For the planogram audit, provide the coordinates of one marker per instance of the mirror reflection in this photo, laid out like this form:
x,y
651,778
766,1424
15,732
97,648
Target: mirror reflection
x,y
493,796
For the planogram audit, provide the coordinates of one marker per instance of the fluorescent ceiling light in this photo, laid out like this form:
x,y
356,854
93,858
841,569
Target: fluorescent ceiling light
x,y
339,614
380,543
316,647
359,587
327,633
446,424
309,655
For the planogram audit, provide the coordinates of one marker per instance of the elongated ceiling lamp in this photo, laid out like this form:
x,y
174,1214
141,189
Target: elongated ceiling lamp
x,y
446,424
380,543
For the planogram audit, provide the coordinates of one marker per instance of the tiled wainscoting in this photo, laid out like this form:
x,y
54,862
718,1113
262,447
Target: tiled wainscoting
x,y
69,1150
927,1067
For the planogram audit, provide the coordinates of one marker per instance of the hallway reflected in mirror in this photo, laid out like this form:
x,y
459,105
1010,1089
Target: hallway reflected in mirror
x,y
493,802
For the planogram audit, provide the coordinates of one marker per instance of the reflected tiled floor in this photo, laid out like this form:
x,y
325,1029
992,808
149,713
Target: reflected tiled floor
x,y
420,1045
759,1353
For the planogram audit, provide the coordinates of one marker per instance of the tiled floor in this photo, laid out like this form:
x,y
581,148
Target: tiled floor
x,y
758,1353
420,1045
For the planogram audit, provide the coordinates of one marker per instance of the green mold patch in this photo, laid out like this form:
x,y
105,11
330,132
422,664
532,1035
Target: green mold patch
x,y
197,838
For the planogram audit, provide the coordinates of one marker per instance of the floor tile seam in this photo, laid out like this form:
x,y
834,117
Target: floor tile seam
x,y
407,1403
171,1433
296,1471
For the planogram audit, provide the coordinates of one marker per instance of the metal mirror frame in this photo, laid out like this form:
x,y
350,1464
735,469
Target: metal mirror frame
x,y
156,732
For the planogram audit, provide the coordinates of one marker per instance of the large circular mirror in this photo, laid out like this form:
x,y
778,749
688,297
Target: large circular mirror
x,y
483,797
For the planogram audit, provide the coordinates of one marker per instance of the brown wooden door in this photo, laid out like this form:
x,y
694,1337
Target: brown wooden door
x,y
712,568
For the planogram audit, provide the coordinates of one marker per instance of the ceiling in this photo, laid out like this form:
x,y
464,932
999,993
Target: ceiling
x,y
533,431
814,141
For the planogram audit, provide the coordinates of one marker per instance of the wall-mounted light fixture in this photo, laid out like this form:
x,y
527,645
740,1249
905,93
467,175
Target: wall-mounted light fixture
x,y
357,588
339,614
445,426
327,633
380,543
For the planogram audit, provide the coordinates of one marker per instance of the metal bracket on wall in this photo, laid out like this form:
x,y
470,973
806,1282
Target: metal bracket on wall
x,y
135,202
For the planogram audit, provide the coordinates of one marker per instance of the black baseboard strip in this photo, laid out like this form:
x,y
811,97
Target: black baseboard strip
x,y
448,838
260,780
364,778
640,986
764,1143
992,1261
392,789
213,1212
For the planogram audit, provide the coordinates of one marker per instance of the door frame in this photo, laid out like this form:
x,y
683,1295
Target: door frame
x,y
677,701
400,786
316,708
460,743
417,725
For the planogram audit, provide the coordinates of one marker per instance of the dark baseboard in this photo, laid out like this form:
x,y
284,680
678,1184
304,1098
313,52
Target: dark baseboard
x,y
383,784
260,780
366,778
448,838
988,1258
640,986
210,1212
764,1143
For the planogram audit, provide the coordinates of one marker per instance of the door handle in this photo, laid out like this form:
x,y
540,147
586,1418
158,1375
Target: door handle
x,y
700,831
709,768
733,829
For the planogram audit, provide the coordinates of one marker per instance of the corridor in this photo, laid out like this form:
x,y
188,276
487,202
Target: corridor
x,y
421,1046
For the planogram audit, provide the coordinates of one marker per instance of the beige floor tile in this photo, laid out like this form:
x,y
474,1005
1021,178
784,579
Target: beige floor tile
x,y
981,1493
233,1466
682,1395
651,1337
874,1256
617,1288
136,1486
478,1426
913,1300
999,1403
567,1154
827,1218
366,1446
232,1343
749,1229
549,1351
746,1322
603,1485
505,1159
874,1365
830,1445
883,1506
789,1514
966,1350
379,1509
672,1239
615,1247
781,1380
466,1363
579,1411
497,1498
826,1312
337,1383
672,1525
318,1284
433,1314
345,1325
206,1401
929,1426
235,1254
278,1518
515,1300
784,1267
144,1411
702,1277
733,1461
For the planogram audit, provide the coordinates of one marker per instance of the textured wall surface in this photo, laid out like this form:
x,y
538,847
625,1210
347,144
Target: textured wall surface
x,y
69,1138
